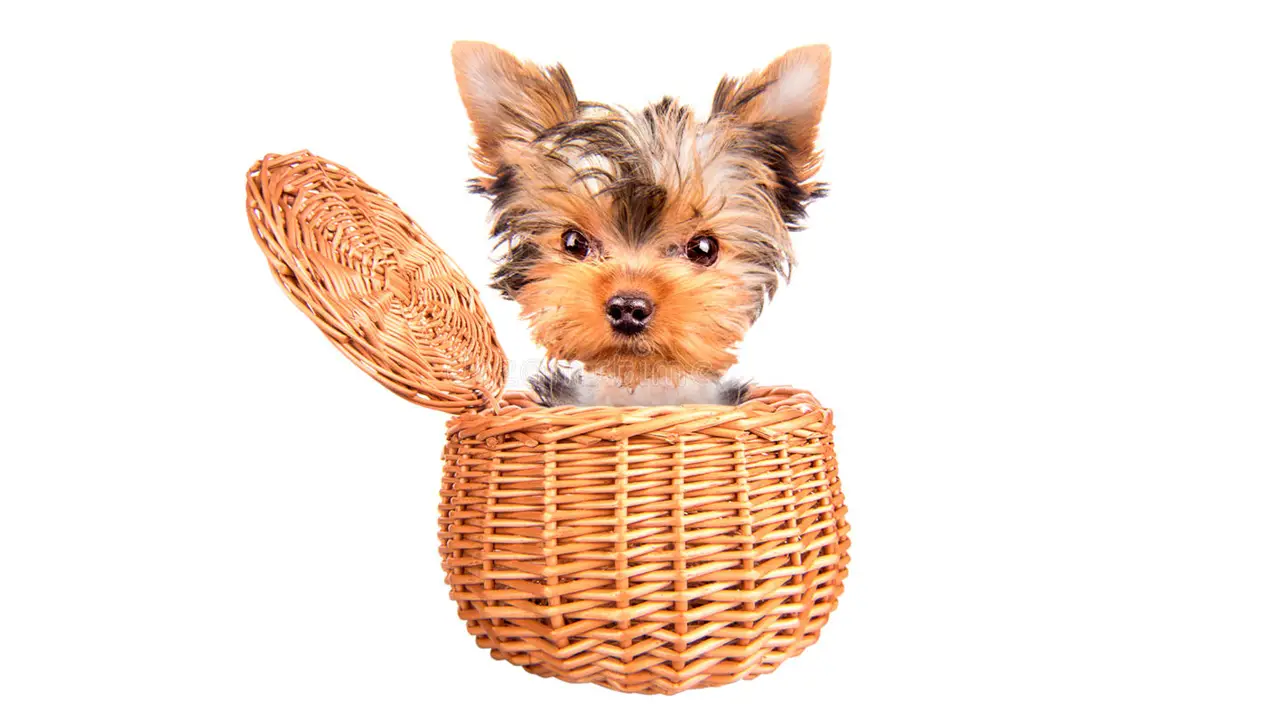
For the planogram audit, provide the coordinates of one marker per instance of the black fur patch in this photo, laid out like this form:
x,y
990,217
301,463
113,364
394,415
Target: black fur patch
x,y
637,208
770,143
734,392
512,272
502,187
729,100
556,386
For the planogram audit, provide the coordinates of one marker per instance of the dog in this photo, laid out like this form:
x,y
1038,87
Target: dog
x,y
641,246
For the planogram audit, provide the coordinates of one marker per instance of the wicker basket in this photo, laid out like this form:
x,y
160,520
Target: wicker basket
x,y
646,549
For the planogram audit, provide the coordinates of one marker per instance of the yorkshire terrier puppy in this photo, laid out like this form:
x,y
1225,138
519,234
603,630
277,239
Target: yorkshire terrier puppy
x,y
640,246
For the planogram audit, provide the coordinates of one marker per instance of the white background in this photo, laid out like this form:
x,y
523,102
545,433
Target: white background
x,y
1042,299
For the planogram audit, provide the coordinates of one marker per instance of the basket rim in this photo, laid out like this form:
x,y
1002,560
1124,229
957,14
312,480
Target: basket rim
x,y
770,412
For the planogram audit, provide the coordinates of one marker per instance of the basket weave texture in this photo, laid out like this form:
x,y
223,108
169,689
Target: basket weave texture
x,y
383,293
649,550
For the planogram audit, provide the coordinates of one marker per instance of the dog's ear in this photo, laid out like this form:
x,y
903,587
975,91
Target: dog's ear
x,y
508,100
788,95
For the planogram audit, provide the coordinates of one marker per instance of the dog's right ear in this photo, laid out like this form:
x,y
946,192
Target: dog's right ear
x,y
508,100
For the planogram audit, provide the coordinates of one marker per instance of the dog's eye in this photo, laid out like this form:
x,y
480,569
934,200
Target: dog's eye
x,y
702,250
576,244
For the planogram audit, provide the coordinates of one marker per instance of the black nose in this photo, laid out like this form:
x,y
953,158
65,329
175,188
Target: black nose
x,y
629,312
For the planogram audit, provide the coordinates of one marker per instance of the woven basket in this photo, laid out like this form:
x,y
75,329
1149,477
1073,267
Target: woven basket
x,y
645,549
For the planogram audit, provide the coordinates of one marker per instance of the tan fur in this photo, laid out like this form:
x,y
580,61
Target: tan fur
x,y
695,323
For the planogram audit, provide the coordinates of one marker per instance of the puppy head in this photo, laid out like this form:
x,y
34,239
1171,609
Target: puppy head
x,y
643,244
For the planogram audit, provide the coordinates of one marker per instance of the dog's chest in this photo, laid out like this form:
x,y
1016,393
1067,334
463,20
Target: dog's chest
x,y
598,390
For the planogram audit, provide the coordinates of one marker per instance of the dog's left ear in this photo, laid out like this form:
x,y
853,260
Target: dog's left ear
x,y
508,100
788,95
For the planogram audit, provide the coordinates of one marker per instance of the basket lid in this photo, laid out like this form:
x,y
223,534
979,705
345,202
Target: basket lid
x,y
371,279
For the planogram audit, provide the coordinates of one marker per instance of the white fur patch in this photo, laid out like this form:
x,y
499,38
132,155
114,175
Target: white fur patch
x,y
793,93
603,390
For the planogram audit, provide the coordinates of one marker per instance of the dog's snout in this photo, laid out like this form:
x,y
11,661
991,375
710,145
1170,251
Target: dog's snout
x,y
629,312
